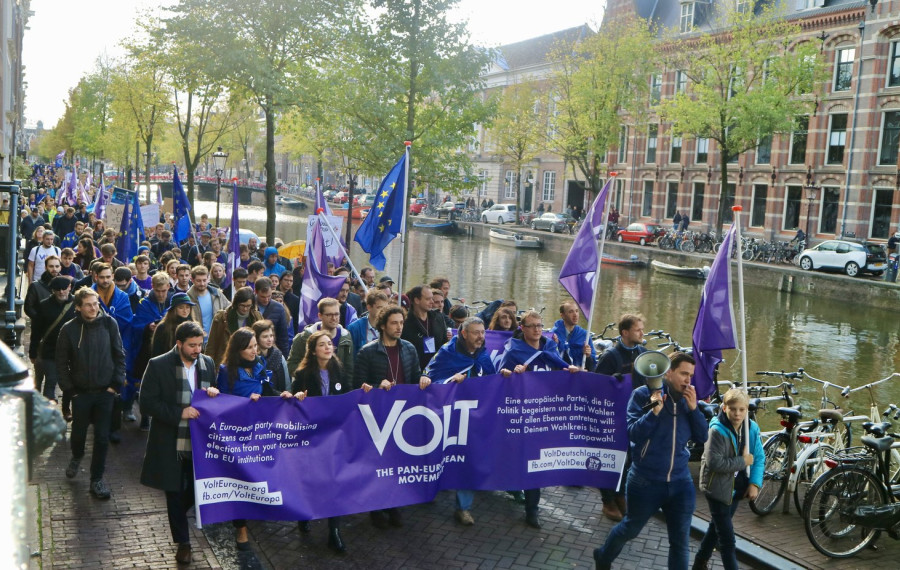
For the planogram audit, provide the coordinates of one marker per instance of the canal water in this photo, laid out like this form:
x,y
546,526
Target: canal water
x,y
836,341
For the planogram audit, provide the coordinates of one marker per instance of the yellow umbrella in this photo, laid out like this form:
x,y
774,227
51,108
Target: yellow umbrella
x,y
293,249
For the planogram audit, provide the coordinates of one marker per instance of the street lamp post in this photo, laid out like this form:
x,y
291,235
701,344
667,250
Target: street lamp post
x,y
219,159
351,186
812,192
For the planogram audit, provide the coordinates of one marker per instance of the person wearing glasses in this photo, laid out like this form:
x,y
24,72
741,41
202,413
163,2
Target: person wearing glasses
x,y
241,313
330,322
532,353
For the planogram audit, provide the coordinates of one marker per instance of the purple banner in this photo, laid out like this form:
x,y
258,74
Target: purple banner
x,y
280,459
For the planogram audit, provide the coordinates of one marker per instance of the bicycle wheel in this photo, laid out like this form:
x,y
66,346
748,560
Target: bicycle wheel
x,y
811,469
688,246
828,510
775,476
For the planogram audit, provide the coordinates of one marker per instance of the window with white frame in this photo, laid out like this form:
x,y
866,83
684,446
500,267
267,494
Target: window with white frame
x,y
510,184
655,88
894,66
798,140
680,82
702,150
687,17
837,138
622,155
882,206
548,193
890,134
482,188
675,151
764,150
652,140
843,68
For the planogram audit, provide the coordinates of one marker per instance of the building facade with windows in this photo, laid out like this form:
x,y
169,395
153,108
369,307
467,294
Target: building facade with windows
x,y
837,174
546,179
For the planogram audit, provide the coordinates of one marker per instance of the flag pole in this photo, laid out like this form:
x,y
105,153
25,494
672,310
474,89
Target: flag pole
x,y
403,228
324,221
742,343
599,261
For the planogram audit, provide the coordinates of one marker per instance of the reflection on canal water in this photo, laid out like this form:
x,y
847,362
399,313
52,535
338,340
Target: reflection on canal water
x,y
840,342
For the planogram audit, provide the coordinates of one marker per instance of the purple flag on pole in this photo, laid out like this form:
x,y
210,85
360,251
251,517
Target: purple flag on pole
x,y
579,272
316,281
322,203
714,330
100,202
70,188
234,238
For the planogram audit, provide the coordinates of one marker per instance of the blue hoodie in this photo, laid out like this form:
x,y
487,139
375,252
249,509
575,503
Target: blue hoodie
x,y
273,269
450,360
659,441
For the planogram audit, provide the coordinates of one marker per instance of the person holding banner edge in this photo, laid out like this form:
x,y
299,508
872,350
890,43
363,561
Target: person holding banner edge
x,y
660,423
533,352
166,390
464,356
321,374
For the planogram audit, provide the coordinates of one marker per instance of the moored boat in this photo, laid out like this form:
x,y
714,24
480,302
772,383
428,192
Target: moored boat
x,y
446,228
632,261
680,271
515,239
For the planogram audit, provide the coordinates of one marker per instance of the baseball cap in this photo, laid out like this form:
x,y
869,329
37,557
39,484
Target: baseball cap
x,y
386,279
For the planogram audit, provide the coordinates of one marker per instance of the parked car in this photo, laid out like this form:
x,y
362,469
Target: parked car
x,y
366,201
499,214
340,198
554,222
328,195
447,207
640,233
417,206
850,257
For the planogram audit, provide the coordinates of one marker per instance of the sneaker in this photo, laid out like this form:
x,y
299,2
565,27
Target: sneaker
x,y
465,518
129,416
72,469
100,490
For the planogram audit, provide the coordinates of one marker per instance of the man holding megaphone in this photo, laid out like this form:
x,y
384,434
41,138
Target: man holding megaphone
x,y
661,420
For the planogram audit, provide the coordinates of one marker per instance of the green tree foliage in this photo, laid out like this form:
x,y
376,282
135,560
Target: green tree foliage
x,y
90,101
412,75
748,81
269,48
519,130
600,83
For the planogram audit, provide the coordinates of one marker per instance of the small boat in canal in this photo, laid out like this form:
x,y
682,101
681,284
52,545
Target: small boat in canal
x,y
680,271
632,261
290,201
359,212
515,239
445,228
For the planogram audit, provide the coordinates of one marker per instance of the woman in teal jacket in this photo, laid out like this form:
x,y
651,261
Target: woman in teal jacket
x,y
723,475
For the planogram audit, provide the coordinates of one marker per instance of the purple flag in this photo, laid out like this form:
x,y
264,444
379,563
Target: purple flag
x,y
361,451
714,330
322,203
59,159
234,238
579,272
316,281
100,201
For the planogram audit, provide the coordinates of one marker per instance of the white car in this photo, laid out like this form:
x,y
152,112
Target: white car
x,y
499,214
850,257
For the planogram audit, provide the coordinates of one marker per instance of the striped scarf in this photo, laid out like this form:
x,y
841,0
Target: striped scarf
x,y
183,445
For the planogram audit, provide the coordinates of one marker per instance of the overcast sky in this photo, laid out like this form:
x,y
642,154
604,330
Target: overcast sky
x,y
65,37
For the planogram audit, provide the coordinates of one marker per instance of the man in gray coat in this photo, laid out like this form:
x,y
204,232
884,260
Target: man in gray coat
x,y
166,389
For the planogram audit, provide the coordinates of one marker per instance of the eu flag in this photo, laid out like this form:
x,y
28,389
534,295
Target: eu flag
x,y
182,209
385,219
131,233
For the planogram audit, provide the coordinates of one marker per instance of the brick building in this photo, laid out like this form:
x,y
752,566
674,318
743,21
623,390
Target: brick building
x,y
848,154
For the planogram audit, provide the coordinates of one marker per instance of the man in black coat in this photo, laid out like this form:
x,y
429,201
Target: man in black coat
x,y
90,362
424,327
166,390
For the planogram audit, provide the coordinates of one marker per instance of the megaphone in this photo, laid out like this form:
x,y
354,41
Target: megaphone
x,y
652,365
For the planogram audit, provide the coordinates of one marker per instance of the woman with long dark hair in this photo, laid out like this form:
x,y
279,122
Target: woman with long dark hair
x,y
242,374
320,374
84,254
164,336
503,320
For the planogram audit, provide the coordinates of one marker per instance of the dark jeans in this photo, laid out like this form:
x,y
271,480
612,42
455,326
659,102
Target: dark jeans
x,y
51,377
675,498
721,531
87,409
609,495
115,415
178,503
532,499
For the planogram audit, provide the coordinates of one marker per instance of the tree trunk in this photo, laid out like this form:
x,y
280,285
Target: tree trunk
x,y
270,171
723,188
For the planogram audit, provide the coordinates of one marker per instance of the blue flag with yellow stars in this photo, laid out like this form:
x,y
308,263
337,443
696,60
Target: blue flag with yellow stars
x,y
385,219
131,234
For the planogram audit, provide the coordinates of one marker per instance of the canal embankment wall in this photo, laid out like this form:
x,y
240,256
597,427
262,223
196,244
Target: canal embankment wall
x,y
868,290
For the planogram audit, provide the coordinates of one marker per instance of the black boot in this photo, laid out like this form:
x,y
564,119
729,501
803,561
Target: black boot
x,y
335,542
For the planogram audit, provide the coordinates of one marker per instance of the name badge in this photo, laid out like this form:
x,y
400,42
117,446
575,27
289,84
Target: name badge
x,y
428,342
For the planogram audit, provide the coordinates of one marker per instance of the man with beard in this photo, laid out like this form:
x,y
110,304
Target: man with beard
x,y
167,388
464,356
149,312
